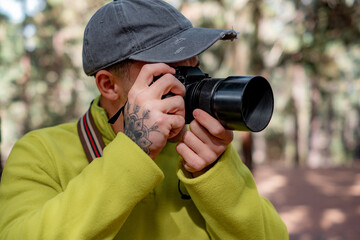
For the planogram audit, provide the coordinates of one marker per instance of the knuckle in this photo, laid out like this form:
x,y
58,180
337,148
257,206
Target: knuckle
x,y
162,119
186,136
131,94
179,108
193,124
176,81
180,148
179,100
187,167
176,121
195,164
181,120
142,97
147,68
218,131
169,77
198,165
230,137
210,156
219,150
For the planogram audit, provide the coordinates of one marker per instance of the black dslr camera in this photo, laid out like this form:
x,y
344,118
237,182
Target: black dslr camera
x,y
243,103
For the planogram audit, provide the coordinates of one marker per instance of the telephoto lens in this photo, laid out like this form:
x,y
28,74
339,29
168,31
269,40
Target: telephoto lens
x,y
243,103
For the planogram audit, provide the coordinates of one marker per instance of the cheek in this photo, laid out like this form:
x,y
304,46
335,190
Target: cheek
x,y
193,62
127,86
131,76
127,82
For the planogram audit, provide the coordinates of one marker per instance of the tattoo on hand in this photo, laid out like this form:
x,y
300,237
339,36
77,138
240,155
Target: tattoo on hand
x,y
136,129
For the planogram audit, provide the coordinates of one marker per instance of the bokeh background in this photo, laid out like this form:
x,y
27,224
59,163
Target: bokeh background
x,y
306,161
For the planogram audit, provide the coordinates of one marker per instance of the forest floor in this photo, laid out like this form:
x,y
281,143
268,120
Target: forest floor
x,y
315,204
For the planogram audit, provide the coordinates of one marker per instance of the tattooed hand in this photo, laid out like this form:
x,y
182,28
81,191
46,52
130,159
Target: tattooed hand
x,y
137,130
150,120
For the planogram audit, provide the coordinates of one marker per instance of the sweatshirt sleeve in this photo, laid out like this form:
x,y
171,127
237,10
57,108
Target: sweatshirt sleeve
x,y
93,205
227,198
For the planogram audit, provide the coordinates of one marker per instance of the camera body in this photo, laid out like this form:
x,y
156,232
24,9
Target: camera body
x,y
243,103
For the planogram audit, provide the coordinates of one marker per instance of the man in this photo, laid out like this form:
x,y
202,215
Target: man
x,y
131,188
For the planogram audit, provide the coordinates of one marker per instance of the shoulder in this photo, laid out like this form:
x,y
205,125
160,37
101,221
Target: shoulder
x,y
48,150
48,140
54,134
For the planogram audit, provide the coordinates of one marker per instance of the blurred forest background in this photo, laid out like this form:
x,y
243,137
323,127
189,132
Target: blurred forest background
x,y
309,51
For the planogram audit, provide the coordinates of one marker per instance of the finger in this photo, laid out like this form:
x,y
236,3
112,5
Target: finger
x,y
178,137
170,125
212,125
191,161
174,105
203,134
176,124
214,144
165,84
149,71
205,151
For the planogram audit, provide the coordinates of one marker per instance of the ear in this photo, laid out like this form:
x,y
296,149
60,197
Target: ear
x,y
108,85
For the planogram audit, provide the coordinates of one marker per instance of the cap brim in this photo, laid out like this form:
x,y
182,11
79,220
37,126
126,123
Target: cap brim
x,y
186,44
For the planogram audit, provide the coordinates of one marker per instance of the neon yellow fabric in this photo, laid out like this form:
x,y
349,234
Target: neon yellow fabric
x,y
49,191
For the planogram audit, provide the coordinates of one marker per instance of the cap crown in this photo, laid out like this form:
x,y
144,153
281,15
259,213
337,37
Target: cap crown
x,y
126,27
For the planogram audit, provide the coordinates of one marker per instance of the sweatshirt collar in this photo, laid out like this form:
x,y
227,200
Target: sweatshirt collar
x,y
101,121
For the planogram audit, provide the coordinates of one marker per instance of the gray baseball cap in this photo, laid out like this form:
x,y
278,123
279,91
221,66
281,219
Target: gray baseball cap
x,y
143,30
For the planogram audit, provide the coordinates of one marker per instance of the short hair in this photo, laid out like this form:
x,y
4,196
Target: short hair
x,y
121,69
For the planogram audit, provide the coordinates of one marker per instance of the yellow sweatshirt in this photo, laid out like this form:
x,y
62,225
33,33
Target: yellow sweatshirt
x,y
50,191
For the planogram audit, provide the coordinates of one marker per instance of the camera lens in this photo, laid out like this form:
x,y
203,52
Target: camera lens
x,y
243,103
